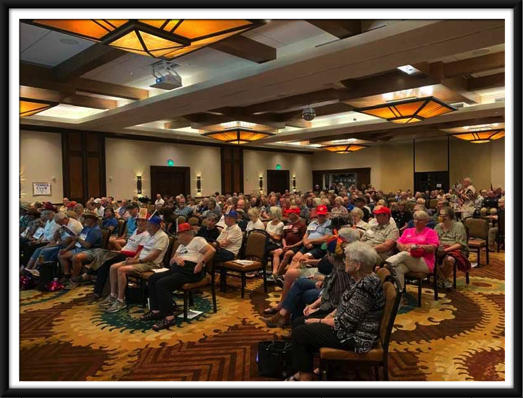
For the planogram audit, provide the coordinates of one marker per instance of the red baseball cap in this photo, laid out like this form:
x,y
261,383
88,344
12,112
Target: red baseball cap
x,y
71,204
295,211
321,210
382,210
183,227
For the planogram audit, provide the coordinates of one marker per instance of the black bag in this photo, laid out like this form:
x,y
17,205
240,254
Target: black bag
x,y
275,359
48,271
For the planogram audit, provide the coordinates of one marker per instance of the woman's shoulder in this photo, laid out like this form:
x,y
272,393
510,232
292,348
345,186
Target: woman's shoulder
x,y
371,284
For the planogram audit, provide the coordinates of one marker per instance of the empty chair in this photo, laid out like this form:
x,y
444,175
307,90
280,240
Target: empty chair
x,y
478,235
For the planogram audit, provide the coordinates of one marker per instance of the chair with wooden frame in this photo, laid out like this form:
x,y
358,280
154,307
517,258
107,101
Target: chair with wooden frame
x,y
379,355
188,289
478,235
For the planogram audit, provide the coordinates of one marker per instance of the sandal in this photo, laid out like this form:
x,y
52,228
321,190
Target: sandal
x,y
164,324
150,316
295,377
271,311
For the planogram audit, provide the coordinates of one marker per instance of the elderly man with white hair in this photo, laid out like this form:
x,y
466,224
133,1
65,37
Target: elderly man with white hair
x,y
417,248
354,324
467,197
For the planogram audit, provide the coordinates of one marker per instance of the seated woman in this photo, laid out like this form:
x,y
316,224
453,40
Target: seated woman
x,y
275,230
453,246
291,242
187,266
210,231
353,325
109,221
357,220
417,248
402,216
254,220
338,210
321,292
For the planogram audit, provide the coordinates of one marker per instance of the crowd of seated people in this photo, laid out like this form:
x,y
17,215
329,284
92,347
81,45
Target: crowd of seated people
x,y
310,243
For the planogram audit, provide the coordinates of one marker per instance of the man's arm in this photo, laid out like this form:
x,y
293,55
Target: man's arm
x,y
385,246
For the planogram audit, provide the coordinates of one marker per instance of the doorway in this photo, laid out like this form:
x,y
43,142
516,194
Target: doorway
x,y
431,180
277,180
170,181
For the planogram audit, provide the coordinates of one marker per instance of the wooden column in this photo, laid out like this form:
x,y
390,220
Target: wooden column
x,y
232,169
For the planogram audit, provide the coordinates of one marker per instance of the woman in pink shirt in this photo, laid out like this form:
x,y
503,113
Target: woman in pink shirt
x,y
417,248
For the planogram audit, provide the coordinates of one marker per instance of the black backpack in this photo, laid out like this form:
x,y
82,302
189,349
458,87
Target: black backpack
x,y
274,359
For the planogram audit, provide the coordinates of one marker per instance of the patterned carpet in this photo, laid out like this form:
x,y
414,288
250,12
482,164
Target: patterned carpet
x,y
458,338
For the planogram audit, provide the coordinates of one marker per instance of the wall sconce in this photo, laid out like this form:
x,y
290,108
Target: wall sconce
x,y
294,182
199,185
139,184
261,183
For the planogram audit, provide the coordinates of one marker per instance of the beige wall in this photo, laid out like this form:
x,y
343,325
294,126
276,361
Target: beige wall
x,y
470,160
125,159
497,163
397,167
431,155
40,161
256,163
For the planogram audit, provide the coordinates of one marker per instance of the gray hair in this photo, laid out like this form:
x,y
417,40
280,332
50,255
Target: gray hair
x,y
362,253
421,215
253,212
212,215
351,235
357,211
276,211
60,217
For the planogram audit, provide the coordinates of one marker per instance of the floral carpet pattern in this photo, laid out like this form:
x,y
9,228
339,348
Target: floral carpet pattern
x,y
460,337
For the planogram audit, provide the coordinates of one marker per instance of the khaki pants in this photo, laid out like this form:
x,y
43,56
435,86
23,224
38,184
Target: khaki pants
x,y
403,262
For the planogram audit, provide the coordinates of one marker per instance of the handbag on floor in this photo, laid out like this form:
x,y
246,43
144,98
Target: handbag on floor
x,y
274,359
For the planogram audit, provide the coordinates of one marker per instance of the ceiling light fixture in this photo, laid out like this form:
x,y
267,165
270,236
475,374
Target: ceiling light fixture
x,y
408,69
157,38
408,111
343,148
238,136
30,107
481,137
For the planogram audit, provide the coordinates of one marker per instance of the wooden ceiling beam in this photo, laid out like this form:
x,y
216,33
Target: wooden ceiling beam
x,y
469,122
85,61
341,28
243,47
474,65
41,77
178,123
485,82
66,98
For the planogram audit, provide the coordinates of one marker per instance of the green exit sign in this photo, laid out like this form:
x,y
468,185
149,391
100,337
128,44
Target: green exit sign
x,y
170,162
278,167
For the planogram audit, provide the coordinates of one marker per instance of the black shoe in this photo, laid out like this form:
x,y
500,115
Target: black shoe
x,y
93,298
164,324
150,316
278,279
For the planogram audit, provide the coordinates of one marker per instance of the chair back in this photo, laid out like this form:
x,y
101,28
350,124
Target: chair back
x,y
382,274
121,226
392,302
478,227
256,245
171,249
194,221
106,234
501,224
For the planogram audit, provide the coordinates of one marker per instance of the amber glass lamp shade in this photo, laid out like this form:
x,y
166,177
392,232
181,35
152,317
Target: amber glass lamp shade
x,y
30,107
408,111
238,136
157,38
481,137
344,148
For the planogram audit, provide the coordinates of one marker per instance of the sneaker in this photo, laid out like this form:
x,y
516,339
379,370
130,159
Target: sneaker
x,y
447,284
270,278
117,306
81,278
93,298
279,280
65,279
108,302
71,285
164,324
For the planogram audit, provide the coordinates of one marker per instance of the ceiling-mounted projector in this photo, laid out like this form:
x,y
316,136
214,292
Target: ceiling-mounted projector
x,y
165,75
308,114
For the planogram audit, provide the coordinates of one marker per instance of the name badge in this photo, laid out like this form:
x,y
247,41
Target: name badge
x,y
287,227
82,236
39,232
311,228
370,232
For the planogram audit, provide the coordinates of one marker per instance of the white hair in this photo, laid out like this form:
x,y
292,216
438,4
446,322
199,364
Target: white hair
x,y
60,217
362,253
351,235
421,215
276,211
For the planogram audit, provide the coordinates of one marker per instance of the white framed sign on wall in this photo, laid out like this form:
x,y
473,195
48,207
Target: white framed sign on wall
x,y
41,189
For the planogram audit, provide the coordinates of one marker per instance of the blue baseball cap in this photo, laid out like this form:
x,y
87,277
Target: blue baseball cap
x,y
232,213
155,220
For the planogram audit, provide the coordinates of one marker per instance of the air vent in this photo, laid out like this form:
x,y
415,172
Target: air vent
x,y
459,105
501,99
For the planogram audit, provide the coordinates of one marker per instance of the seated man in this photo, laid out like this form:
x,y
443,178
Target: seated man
x,y
68,228
182,209
90,238
65,206
106,258
383,235
230,239
115,242
150,257
98,208
187,266
210,232
42,236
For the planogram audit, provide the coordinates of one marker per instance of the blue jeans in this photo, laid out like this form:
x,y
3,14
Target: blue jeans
x,y
49,253
302,293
